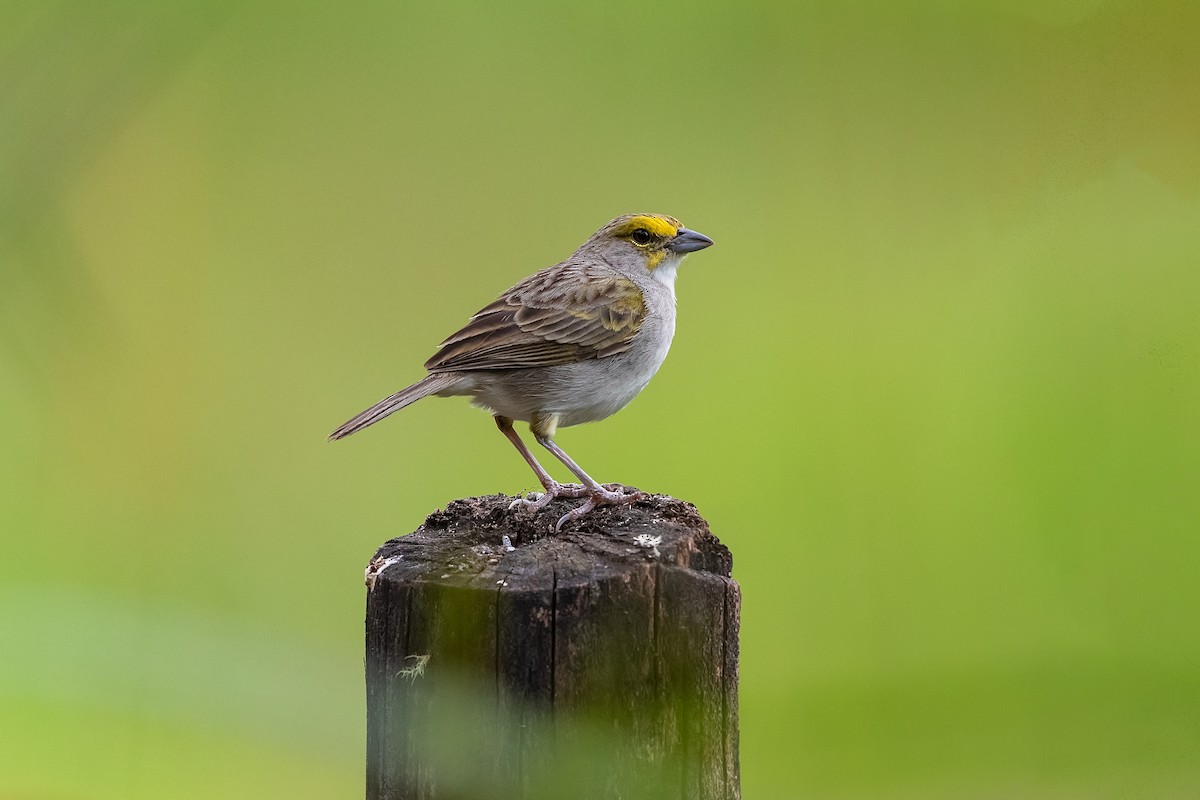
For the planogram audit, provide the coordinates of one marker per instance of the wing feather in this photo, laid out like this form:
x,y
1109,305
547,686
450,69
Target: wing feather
x,y
566,313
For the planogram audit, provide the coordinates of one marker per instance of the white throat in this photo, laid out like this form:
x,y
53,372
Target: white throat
x,y
664,273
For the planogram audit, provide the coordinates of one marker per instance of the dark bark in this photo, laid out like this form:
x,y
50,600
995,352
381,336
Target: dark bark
x,y
596,663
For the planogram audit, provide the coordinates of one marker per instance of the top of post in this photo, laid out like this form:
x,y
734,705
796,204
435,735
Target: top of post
x,y
480,541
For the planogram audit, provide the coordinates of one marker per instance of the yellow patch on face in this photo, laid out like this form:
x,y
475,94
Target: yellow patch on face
x,y
654,258
662,227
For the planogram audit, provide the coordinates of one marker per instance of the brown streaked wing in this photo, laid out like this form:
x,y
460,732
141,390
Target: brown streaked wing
x,y
565,313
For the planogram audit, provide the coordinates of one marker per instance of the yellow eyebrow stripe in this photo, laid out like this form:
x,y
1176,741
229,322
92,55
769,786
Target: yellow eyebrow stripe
x,y
663,228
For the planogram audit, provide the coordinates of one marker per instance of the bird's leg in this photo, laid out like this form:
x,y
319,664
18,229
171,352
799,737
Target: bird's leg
x,y
553,488
543,429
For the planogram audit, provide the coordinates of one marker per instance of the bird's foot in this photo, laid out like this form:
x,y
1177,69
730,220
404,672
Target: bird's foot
x,y
542,499
595,499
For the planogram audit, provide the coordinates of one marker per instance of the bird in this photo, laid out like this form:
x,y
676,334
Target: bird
x,y
572,343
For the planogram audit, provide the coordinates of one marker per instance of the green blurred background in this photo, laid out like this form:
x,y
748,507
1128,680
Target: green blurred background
x,y
937,386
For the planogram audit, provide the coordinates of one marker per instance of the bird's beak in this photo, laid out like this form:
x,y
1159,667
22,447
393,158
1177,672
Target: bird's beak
x,y
688,241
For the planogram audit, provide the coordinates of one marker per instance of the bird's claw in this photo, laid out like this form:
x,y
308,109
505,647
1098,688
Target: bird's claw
x,y
536,501
542,499
604,497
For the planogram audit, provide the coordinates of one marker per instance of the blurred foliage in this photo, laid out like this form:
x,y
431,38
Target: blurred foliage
x,y
936,386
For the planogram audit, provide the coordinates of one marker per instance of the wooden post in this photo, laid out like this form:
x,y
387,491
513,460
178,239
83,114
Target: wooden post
x,y
505,661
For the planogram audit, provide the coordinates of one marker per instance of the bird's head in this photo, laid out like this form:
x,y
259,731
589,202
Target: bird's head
x,y
653,242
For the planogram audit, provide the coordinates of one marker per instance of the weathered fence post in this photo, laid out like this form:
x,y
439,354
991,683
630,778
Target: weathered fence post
x,y
504,661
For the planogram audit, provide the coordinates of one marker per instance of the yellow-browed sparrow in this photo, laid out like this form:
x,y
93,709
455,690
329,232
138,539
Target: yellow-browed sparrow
x,y
572,343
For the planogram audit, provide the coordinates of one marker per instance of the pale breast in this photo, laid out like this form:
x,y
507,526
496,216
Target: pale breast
x,y
604,386
589,390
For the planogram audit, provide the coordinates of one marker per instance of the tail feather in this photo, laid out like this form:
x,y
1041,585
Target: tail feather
x,y
430,384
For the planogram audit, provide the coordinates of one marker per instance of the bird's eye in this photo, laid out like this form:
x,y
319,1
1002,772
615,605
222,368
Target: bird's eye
x,y
640,237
